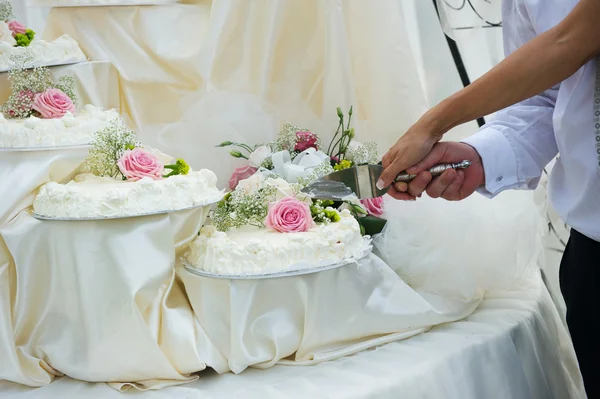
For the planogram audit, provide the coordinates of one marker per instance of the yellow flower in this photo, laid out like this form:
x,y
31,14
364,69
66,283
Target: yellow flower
x,y
344,164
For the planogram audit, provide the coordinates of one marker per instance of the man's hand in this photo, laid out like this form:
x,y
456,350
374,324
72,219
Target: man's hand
x,y
452,185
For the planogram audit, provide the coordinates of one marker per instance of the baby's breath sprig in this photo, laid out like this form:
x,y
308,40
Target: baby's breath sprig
x,y
239,209
108,145
6,11
372,153
318,171
66,84
287,139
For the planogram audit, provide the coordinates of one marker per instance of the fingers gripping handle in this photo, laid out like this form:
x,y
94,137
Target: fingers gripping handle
x,y
435,171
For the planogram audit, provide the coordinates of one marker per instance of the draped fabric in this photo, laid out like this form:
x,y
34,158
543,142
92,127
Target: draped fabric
x,y
98,300
194,75
513,346
21,174
313,318
17,193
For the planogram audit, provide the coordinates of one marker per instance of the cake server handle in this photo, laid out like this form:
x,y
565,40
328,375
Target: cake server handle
x,y
435,171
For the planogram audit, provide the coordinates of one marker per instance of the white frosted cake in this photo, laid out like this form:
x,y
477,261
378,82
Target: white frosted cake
x,y
90,196
252,250
64,50
68,130
83,3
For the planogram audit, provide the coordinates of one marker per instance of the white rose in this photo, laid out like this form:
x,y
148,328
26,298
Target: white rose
x,y
251,184
259,155
284,189
6,34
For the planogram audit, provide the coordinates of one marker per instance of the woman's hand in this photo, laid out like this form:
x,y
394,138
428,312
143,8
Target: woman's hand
x,y
409,150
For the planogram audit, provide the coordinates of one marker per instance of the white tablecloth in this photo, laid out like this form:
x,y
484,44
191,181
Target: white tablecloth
x,y
513,347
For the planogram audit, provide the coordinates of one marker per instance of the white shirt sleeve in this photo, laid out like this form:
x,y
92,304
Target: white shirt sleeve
x,y
517,144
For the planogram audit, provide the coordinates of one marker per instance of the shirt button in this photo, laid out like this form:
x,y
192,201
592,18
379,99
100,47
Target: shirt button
x,y
499,179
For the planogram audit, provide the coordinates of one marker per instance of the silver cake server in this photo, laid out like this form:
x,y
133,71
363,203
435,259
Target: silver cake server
x,y
361,181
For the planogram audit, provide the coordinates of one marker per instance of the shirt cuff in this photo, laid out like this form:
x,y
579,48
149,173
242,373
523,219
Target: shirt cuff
x,y
500,163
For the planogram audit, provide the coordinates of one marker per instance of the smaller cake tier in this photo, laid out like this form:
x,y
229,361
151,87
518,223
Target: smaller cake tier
x,y
64,50
69,130
251,250
90,196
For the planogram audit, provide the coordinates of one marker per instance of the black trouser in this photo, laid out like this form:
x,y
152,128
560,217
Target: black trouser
x,y
580,285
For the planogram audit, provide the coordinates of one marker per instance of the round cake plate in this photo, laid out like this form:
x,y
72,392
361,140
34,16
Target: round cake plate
x,y
288,273
33,149
42,217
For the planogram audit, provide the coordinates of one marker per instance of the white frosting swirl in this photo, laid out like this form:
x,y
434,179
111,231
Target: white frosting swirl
x,y
89,196
250,250
63,50
68,130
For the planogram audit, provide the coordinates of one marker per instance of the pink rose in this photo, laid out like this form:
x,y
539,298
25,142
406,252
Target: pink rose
x,y
289,215
137,163
241,174
53,103
305,140
374,206
16,27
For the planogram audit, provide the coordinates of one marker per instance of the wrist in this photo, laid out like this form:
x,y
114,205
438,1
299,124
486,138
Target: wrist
x,y
437,121
476,163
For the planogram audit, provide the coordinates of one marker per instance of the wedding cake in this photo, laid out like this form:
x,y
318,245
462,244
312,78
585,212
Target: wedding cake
x,y
266,224
89,196
42,113
17,40
252,250
68,130
122,178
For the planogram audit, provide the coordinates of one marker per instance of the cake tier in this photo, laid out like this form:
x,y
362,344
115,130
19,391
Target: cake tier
x,y
89,196
66,131
82,3
64,50
251,250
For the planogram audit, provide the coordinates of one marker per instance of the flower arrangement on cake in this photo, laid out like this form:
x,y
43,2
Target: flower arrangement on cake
x,y
16,38
299,157
267,225
42,112
122,178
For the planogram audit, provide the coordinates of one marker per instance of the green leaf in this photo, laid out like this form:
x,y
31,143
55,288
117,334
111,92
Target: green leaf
x,y
372,225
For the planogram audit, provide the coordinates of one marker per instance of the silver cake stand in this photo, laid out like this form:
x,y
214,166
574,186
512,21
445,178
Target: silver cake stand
x,y
159,212
287,273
